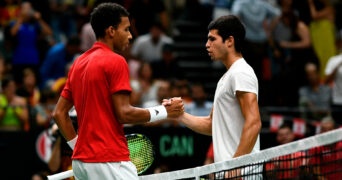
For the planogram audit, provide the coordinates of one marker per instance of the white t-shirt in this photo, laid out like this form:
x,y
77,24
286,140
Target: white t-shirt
x,y
228,120
337,86
145,49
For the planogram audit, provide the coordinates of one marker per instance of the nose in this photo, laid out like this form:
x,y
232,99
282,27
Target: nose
x,y
207,45
130,36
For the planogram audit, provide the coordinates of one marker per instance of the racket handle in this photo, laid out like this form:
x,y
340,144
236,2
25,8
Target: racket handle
x,y
62,175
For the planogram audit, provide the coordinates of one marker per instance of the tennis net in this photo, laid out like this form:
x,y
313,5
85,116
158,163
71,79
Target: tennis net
x,y
316,157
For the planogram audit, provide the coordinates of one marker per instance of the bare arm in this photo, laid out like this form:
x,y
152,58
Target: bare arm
x,y
128,114
125,112
304,35
199,124
15,28
46,30
330,77
62,118
250,110
326,13
55,159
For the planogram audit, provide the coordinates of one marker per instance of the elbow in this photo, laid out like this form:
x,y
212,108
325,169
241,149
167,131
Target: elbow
x,y
123,116
257,126
56,115
307,43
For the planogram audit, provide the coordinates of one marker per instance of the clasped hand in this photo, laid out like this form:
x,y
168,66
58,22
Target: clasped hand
x,y
174,107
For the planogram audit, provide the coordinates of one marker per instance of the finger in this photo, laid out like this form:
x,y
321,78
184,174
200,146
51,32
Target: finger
x,y
166,102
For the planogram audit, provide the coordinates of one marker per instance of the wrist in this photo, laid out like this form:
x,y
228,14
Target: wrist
x,y
157,113
72,142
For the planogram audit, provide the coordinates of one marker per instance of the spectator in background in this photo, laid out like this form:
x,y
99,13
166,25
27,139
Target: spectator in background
x,y
29,89
13,108
290,49
209,157
314,98
222,7
287,166
26,31
63,20
167,67
87,37
58,85
3,69
326,161
57,58
254,14
322,30
8,11
148,47
285,134
181,88
163,92
333,72
199,106
144,88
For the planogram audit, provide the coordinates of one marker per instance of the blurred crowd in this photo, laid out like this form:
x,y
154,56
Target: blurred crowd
x,y
294,47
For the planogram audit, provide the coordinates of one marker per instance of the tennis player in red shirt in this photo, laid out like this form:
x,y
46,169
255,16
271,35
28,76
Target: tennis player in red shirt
x,y
98,86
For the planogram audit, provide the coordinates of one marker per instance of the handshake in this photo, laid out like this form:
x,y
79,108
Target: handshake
x,y
170,109
174,107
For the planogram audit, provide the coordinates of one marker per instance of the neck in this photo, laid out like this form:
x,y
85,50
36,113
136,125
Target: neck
x,y
231,59
106,42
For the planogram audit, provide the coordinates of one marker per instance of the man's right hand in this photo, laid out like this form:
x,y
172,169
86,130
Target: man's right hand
x,y
174,107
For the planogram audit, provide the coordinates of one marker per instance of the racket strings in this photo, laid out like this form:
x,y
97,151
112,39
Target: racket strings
x,y
141,152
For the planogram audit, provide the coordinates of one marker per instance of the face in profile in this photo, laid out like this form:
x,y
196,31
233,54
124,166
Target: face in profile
x,y
215,46
122,35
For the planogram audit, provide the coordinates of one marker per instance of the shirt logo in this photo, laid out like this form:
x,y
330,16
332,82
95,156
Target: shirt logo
x,y
157,112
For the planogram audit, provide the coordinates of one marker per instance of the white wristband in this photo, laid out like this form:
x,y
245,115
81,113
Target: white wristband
x,y
157,113
72,142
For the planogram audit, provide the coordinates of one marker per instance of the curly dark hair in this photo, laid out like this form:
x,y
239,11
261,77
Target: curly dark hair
x,y
106,15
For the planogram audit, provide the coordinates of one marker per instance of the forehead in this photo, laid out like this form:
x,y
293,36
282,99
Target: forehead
x,y
213,33
284,130
124,22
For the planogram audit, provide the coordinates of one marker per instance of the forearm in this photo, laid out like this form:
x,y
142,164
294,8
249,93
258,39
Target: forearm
x,y
45,27
299,44
65,126
199,124
14,30
55,160
248,138
133,115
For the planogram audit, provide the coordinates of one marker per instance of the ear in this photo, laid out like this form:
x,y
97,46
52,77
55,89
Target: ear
x,y
229,41
110,31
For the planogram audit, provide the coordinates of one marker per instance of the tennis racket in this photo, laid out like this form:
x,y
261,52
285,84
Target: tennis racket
x,y
141,154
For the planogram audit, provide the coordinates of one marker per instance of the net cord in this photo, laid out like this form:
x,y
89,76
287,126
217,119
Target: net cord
x,y
273,152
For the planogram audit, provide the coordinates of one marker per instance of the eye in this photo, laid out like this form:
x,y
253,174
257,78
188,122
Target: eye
x,y
211,38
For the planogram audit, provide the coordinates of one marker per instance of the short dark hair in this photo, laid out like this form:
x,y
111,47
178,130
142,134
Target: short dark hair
x,y
105,15
230,25
285,126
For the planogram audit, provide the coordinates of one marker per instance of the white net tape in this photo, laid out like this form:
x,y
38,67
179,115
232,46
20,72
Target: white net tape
x,y
300,145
